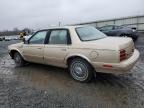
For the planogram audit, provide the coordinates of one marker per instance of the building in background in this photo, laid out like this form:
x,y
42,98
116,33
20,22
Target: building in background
x,y
132,21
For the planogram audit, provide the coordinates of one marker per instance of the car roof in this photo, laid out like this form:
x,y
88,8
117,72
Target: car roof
x,y
63,27
110,25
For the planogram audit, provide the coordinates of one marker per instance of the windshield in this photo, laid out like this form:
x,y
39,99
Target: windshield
x,y
89,33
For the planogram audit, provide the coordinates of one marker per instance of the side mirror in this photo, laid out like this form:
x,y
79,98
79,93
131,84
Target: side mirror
x,y
25,41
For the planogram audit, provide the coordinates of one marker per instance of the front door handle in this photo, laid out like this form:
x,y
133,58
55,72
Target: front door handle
x,y
39,48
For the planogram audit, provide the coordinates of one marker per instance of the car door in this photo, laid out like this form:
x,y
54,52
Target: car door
x,y
33,51
57,47
116,30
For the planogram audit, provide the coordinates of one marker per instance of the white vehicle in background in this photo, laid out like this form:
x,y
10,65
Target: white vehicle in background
x,y
7,38
15,38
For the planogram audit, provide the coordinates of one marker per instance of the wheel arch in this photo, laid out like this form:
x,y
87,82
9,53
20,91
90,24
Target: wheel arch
x,y
14,51
71,57
91,68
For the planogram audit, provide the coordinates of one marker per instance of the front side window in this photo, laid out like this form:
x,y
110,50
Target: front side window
x,y
58,37
89,33
38,38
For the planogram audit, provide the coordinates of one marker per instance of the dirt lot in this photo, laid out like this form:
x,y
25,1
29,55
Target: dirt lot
x,y
40,86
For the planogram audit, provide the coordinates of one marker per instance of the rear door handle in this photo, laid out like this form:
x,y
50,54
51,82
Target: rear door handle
x,y
39,48
63,49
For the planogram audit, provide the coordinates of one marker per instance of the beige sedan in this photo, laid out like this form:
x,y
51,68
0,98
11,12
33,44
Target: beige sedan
x,y
82,49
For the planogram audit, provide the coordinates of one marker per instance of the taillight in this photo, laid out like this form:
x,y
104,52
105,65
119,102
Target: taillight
x,y
123,55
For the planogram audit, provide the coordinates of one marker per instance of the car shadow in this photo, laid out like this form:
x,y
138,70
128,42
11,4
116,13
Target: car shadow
x,y
39,73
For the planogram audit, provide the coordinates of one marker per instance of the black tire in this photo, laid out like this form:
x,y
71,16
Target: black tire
x,y
134,38
81,70
18,59
123,35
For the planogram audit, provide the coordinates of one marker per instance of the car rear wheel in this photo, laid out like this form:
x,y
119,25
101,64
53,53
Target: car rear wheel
x,y
18,59
81,70
123,35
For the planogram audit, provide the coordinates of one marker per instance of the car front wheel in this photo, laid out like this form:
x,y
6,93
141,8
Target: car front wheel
x,y
18,59
81,70
123,35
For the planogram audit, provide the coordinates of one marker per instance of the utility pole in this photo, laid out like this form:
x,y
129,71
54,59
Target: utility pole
x,y
59,23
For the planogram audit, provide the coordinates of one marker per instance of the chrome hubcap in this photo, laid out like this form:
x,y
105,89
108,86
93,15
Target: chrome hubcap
x,y
79,70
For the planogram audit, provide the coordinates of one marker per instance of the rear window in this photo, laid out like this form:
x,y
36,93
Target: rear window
x,y
89,33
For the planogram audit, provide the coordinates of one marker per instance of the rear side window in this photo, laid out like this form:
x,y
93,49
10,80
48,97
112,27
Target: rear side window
x,y
117,27
58,37
38,38
89,33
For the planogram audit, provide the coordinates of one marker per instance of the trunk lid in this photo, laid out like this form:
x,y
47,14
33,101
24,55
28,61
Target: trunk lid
x,y
115,43
126,44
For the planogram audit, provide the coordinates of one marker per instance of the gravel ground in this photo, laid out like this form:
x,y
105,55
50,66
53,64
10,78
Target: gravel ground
x,y
41,86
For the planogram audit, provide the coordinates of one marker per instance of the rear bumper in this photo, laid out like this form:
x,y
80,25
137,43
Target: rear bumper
x,y
118,68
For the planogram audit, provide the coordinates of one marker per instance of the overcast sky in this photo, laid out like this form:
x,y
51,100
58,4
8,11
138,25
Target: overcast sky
x,y
44,13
